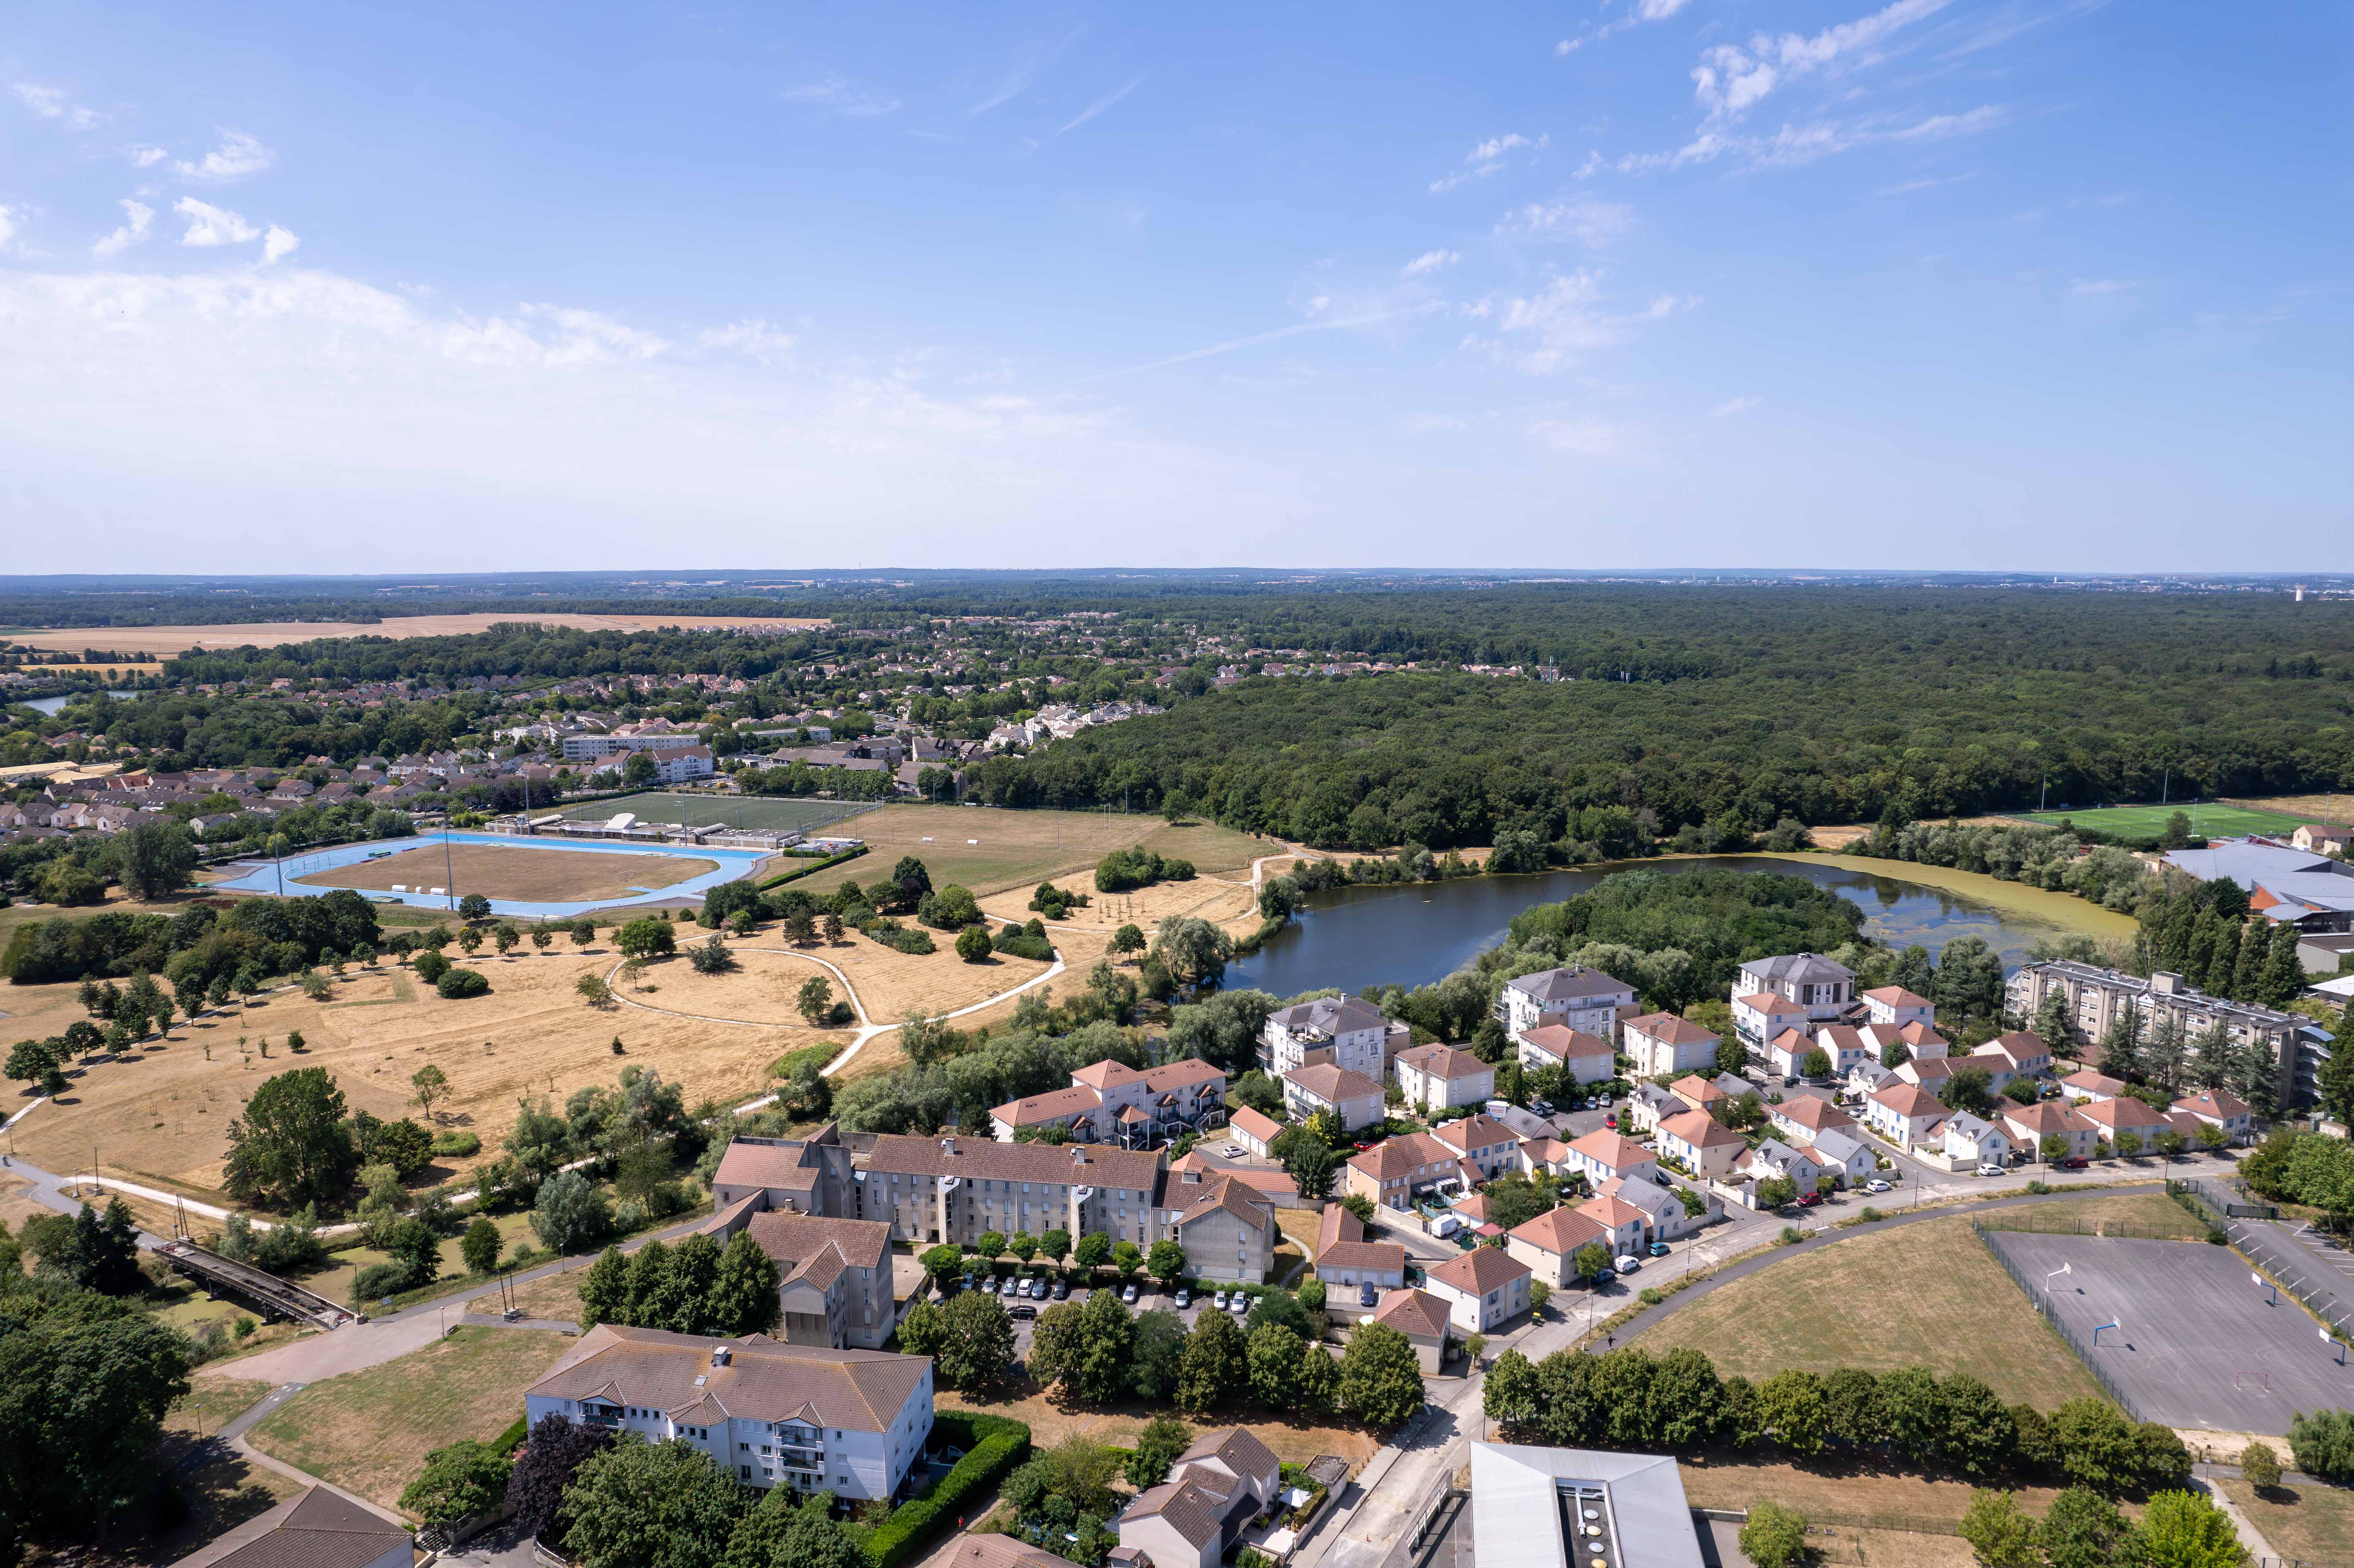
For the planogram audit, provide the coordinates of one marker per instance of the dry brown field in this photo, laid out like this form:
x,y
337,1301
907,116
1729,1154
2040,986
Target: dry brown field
x,y
893,986
165,639
2336,810
495,871
1211,898
1051,1421
1843,1493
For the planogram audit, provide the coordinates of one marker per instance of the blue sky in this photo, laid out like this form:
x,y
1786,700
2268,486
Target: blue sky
x,y
1657,283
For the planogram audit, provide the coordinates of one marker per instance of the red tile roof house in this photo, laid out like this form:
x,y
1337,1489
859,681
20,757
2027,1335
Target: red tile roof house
x,y
1422,1318
1439,1077
1604,1154
2029,1125
1630,1226
1352,1097
1546,1245
1485,1144
1252,1130
1392,1169
2025,1051
1786,1053
1761,1016
2089,1086
1905,1114
2125,1114
1894,1005
1804,1116
2220,1107
1483,1287
1344,1258
1663,1043
1587,1058
1707,1149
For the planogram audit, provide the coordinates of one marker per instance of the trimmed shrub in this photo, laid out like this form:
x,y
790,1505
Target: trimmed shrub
x,y
993,1445
457,1143
460,983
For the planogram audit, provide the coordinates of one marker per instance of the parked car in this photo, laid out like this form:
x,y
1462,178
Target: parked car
x,y
1185,1298
1658,1249
1128,1296
2073,1162
1219,1301
1627,1263
1038,1288
1611,1122
1808,1199
1232,1151
1061,1290
1366,1295
1542,1107
1239,1304
1990,1169
1875,1185
1022,1309
1605,1275
1361,1145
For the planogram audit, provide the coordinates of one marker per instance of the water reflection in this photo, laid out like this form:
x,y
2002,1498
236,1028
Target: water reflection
x,y
1356,937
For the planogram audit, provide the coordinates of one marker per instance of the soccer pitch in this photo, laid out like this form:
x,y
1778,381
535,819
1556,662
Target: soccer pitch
x,y
760,813
2209,820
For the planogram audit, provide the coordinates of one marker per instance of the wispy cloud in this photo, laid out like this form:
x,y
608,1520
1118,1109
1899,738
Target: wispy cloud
x,y
278,244
1590,223
1098,106
755,339
145,157
52,103
209,225
1794,145
1641,12
1732,78
1487,157
837,96
9,217
1431,261
1550,330
1594,438
237,155
1336,323
1909,187
1732,406
136,217
1018,77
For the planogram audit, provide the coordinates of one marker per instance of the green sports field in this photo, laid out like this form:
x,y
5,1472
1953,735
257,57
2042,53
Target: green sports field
x,y
2214,821
760,813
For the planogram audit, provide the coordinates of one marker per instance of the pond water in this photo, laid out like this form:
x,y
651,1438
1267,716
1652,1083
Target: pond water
x,y
1414,933
52,705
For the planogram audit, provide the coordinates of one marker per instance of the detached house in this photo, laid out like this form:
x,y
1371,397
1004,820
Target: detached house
x,y
2125,1114
1546,1245
1422,1318
1585,1058
1485,1287
1659,1042
2089,1088
1605,1156
1895,1006
1195,1518
2220,1107
2022,1051
1806,1117
1904,1113
1705,1148
2029,1125
1976,1141
1578,998
1394,1169
1762,1017
1775,1157
1439,1077
1354,1099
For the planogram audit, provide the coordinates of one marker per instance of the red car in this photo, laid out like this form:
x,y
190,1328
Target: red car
x,y
2073,1162
1808,1199
1610,1121
1361,1146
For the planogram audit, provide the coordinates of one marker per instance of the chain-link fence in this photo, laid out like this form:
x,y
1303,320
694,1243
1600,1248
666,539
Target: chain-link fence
x,y
2033,1290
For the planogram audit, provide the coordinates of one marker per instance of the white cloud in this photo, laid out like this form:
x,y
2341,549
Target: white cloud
x,y
237,155
136,217
1794,145
838,96
755,339
146,157
1564,319
1732,406
1488,158
1431,261
1731,79
1098,106
1643,11
50,103
209,225
278,244
8,218
1429,424
1590,223
2090,288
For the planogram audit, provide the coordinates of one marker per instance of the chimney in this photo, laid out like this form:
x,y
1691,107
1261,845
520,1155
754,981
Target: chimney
x,y
1079,1154
948,1146
721,1355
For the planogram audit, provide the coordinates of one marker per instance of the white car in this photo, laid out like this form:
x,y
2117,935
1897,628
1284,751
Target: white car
x,y
1629,1263
1991,1169
1232,1151
1875,1185
1220,1301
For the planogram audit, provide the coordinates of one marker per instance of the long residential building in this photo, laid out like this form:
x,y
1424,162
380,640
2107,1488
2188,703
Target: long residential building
x,y
1108,1102
805,1417
2098,997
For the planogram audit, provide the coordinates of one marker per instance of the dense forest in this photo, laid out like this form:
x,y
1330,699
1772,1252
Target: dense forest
x,y
1743,706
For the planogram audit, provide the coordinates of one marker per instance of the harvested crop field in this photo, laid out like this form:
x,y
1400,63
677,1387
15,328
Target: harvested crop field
x,y
168,640
893,986
161,1116
1210,898
554,876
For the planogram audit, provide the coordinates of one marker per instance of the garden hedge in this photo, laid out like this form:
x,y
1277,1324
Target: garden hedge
x,y
993,1445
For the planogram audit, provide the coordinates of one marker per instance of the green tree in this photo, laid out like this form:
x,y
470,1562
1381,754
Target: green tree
x,y
650,1505
1511,1395
2054,1023
1195,952
2081,1529
85,1381
2186,1530
713,958
1311,1166
1817,1063
2260,1466
744,1298
975,1347
1775,1537
1157,1447
605,1288
974,944
1588,1262
1274,1354
1055,1246
1127,1257
1092,1251
1215,1363
290,1146
1969,979
1157,1355
1380,1381
1166,1261
646,937
464,1480
570,1214
814,1000
2321,1443
1792,1406
152,858
1128,939
2095,1445
1999,1532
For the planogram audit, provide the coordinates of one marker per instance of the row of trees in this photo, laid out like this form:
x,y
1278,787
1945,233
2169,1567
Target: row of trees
x,y
1628,1399
2084,1529
694,1288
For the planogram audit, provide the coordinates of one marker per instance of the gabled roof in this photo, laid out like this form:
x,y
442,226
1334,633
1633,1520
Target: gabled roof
x,y
778,1165
1236,1447
1574,984
1395,1156
1813,1112
2123,1113
1564,1044
1478,1130
1331,1015
1088,1164
1263,1127
1669,1029
2096,1083
317,1530
800,1241
1053,1106
1443,1062
1896,996
1701,1093
1908,1099
2221,1104
1769,1001
1228,1196
1613,1212
1611,1149
1834,1146
1478,1271
1418,1314
2045,1119
1332,1085
2018,1046
1701,1130
1562,1231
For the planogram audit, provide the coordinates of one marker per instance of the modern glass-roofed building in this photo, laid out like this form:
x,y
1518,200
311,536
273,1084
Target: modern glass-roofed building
x,y
1575,1508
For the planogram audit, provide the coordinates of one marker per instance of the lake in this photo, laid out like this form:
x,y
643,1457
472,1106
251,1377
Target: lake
x,y
52,705
1414,933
